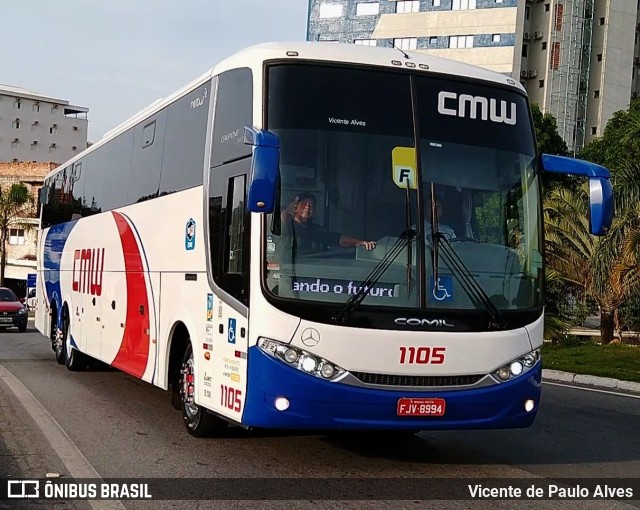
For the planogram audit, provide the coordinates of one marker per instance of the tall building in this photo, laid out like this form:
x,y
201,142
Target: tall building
x,y
37,128
578,59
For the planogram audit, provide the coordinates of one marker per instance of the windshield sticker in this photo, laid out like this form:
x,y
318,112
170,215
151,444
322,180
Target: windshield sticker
x,y
483,108
346,122
403,162
442,291
349,288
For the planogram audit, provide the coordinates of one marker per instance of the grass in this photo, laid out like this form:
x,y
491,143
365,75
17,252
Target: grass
x,y
617,360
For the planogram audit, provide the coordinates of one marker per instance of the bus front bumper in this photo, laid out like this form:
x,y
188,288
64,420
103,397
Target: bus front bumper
x,y
316,404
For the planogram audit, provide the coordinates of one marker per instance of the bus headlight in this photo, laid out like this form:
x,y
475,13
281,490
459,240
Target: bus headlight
x,y
517,367
302,360
290,356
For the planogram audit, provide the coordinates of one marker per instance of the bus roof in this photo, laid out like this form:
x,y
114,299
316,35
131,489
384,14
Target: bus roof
x,y
321,51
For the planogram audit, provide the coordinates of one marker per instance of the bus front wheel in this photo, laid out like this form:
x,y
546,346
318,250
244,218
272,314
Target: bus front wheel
x,y
199,422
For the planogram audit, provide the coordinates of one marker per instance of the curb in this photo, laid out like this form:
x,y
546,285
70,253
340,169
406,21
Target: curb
x,y
605,383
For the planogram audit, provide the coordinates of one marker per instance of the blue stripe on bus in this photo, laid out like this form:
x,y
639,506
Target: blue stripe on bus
x,y
317,404
54,245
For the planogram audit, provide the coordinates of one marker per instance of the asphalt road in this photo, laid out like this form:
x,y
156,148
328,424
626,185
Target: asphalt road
x,y
124,428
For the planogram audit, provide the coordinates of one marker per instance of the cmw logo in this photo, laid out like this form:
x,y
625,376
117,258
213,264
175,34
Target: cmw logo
x,y
488,107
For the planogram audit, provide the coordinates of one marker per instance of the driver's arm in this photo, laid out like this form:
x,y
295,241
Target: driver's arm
x,y
352,242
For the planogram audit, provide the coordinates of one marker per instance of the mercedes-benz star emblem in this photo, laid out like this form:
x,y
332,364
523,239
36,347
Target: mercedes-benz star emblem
x,y
310,337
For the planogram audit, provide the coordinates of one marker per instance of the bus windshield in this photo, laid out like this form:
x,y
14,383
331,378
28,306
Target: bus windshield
x,y
350,143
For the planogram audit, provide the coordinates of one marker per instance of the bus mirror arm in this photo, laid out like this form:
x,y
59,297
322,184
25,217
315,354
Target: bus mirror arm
x,y
265,166
601,200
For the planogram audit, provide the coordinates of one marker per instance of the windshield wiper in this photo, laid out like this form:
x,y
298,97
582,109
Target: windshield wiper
x,y
381,267
435,259
407,226
471,286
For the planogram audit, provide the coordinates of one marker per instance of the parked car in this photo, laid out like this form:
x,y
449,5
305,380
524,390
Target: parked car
x,y
13,313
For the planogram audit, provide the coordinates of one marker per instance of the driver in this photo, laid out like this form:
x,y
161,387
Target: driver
x,y
443,228
309,237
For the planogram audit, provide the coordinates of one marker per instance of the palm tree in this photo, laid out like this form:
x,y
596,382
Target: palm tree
x,y
631,126
556,327
16,203
598,266
625,232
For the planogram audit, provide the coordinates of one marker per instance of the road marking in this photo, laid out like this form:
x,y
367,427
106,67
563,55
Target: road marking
x,y
592,389
76,463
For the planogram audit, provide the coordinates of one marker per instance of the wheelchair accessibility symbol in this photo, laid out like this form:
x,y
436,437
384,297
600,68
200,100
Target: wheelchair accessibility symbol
x,y
443,289
231,331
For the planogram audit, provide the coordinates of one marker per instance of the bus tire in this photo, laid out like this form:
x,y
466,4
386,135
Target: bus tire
x,y
198,421
57,343
73,358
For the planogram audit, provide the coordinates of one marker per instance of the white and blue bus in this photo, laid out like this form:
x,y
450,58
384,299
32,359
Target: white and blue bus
x,y
313,236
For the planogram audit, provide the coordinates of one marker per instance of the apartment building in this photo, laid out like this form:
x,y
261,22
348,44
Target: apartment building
x,y
578,59
38,128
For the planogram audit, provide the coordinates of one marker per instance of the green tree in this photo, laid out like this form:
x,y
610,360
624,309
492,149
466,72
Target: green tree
x,y
619,145
548,139
16,203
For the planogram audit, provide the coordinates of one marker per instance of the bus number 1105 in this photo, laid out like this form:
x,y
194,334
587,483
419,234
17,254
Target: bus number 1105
x,y
422,355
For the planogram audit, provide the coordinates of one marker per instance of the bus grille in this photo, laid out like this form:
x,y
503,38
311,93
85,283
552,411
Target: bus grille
x,y
417,380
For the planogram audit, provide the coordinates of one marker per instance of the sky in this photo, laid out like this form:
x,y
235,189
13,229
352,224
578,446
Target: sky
x,y
118,56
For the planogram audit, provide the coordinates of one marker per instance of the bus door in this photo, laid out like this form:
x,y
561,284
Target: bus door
x,y
229,224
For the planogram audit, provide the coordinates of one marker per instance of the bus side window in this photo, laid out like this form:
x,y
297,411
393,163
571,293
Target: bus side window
x,y
235,230
229,228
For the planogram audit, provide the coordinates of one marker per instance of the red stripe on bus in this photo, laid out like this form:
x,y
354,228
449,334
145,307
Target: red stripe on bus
x,y
134,350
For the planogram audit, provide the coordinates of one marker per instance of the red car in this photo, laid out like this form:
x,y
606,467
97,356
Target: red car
x,y
13,314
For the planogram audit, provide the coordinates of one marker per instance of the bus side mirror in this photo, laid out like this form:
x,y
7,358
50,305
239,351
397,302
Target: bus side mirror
x,y
43,195
601,201
265,166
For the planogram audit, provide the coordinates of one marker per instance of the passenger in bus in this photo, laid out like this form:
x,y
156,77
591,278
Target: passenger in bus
x,y
443,228
302,236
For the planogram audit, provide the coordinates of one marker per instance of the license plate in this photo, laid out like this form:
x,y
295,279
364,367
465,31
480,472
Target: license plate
x,y
421,407
6,319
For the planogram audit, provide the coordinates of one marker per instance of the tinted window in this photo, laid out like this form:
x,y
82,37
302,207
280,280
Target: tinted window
x,y
93,193
144,178
77,181
229,228
477,114
47,209
114,161
148,134
234,107
346,137
59,207
185,141
235,235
